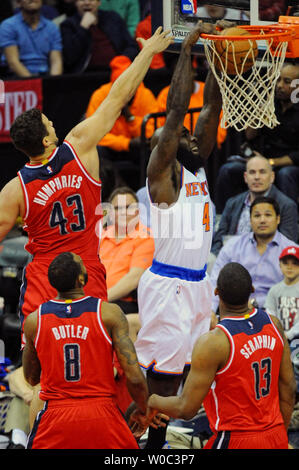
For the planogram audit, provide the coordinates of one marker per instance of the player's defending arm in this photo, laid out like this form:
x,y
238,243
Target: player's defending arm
x,y
89,132
209,354
117,326
287,383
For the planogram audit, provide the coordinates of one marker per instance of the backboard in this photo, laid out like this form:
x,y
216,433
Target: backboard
x,y
180,15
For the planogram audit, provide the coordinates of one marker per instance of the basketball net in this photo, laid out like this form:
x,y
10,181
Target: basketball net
x,y
248,97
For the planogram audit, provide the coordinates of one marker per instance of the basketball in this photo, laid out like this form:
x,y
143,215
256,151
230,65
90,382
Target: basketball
x,y
236,56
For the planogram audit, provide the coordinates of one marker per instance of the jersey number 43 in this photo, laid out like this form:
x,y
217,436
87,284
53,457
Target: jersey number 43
x,y
58,218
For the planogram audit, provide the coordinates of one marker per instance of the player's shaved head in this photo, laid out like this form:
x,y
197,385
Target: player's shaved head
x,y
64,271
234,284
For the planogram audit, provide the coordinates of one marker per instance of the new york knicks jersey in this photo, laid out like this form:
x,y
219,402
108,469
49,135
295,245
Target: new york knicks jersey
x,y
74,350
244,395
61,201
183,232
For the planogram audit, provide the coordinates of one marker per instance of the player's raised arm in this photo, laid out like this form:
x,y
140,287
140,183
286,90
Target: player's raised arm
x,y
207,124
88,133
164,153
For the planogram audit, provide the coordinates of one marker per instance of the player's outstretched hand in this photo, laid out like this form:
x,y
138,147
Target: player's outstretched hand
x,y
139,422
206,28
197,30
158,42
224,24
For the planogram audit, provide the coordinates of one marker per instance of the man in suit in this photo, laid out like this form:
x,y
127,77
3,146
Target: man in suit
x,y
235,219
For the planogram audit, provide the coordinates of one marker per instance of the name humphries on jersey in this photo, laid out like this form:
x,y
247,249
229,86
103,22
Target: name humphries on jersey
x,y
56,184
70,331
257,342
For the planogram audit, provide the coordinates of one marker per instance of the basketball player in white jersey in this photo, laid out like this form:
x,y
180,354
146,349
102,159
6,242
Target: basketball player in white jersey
x,y
174,294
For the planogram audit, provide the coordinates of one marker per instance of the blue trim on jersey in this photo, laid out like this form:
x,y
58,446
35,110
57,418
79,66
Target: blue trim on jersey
x,y
249,326
35,426
222,440
70,310
48,170
186,274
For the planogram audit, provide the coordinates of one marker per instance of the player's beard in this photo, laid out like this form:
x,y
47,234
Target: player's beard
x,y
189,160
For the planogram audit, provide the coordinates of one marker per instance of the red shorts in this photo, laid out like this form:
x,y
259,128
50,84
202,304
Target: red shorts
x,y
36,288
86,423
274,438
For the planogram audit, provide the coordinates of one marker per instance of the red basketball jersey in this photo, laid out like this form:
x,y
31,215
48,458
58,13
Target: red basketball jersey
x,y
62,204
244,395
74,350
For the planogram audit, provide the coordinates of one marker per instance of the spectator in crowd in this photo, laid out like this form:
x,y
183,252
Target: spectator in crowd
x,y
31,43
280,144
282,301
196,100
144,30
123,141
129,10
283,298
126,250
93,37
258,251
235,220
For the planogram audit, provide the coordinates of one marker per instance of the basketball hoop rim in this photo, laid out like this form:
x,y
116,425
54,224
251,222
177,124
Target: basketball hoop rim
x,y
282,33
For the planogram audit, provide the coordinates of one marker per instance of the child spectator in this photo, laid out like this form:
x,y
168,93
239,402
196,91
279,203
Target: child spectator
x,y
283,298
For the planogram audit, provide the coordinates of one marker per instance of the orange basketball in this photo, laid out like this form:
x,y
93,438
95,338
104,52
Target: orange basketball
x,y
234,55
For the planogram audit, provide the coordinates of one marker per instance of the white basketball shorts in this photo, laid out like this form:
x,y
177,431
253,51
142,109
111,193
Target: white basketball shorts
x,y
173,313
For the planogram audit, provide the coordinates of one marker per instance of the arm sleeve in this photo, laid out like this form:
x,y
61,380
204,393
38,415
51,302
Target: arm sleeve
x,y
8,35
